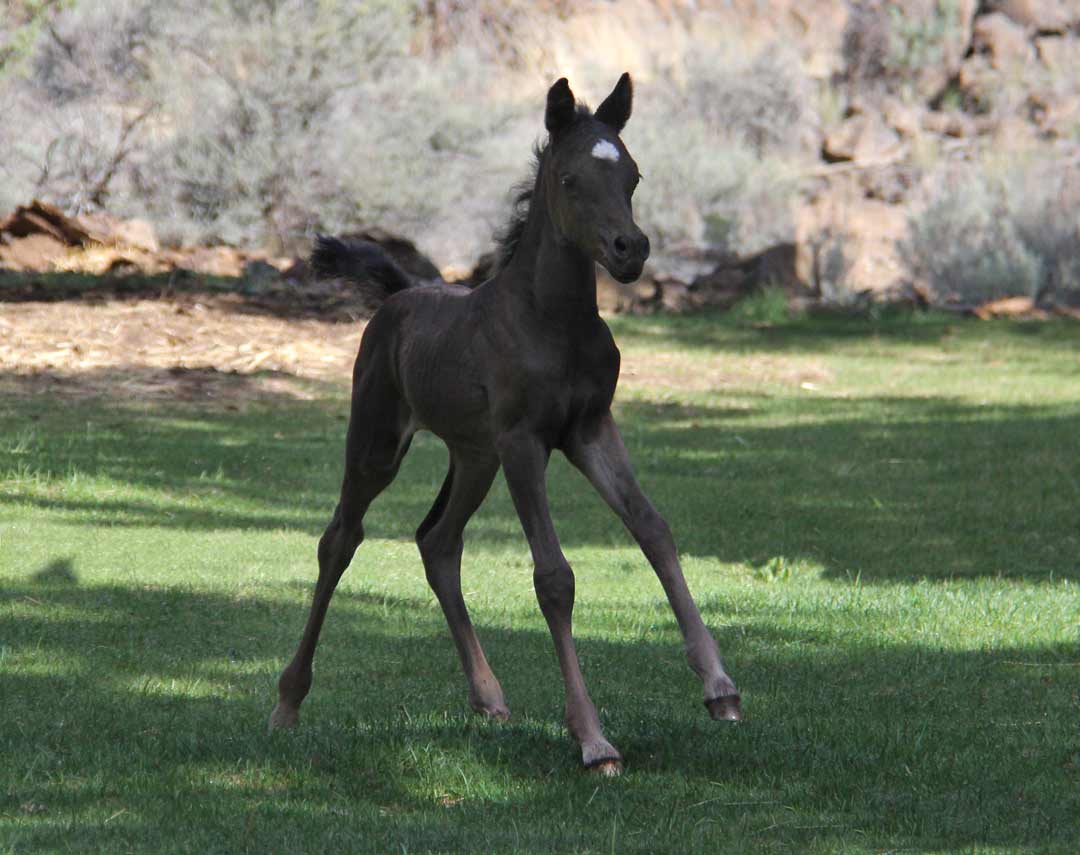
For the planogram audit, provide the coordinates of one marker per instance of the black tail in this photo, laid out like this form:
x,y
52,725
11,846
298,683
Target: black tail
x,y
363,263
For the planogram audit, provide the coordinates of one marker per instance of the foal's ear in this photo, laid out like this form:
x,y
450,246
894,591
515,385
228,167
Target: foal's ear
x,y
616,107
560,106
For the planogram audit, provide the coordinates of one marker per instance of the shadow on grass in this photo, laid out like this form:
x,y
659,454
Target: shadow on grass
x,y
883,489
134,718
237,294
60,571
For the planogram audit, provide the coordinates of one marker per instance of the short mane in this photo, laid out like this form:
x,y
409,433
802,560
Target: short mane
x,y
509,236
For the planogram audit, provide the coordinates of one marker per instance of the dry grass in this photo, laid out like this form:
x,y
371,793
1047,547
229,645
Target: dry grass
x,y
166,348
207,349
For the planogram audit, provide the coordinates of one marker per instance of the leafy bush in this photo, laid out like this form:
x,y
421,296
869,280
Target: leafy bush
x,y
71,104
249,121
889,45
261,121
718,145
983,236
766,306
1043,201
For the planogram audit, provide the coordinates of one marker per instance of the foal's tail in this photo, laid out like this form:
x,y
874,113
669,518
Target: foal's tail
x,y
358,261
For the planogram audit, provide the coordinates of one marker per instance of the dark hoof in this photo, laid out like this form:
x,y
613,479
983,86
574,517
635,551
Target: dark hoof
x,y
283,717
725,708
609,767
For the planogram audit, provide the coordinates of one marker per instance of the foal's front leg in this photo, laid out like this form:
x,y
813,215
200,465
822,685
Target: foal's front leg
x,y
524,459
597,450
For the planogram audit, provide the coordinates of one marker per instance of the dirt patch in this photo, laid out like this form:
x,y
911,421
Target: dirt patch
x,y
182,349
216,352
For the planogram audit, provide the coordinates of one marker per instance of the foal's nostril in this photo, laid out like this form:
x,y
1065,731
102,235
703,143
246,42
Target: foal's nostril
x,y
620,245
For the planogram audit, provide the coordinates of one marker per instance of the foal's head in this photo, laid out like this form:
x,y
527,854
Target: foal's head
x,y
589,178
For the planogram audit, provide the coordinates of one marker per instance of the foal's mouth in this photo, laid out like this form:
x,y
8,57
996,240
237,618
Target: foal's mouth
x,y
626,272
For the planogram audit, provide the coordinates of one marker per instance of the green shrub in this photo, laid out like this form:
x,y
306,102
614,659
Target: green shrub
x,y
720,145
985,235
888,45
261,122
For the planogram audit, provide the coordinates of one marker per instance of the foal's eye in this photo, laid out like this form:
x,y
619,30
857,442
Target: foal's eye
x,y
568,180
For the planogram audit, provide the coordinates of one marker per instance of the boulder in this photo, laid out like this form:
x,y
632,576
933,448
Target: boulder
x,y
1010,307
864,137
1044,16
38,253
950,124
1015,132
214,261
40,236
734,278
259,275
848,243
1060,54
978,80
902,117
112,231
41,218
819,33
1002,40
1055,114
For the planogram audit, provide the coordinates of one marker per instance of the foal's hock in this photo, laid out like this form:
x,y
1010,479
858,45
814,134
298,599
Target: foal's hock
x,y
504,374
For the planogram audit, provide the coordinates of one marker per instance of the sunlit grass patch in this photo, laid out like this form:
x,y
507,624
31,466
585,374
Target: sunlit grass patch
x,y
891,573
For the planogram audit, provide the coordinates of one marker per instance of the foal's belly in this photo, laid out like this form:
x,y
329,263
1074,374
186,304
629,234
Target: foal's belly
x,y
451,405
439,375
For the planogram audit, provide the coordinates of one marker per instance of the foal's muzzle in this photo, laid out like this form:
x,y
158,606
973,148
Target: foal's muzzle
x,y
626,254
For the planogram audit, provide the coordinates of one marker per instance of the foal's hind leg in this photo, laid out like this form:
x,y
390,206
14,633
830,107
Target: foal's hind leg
x,y
373,453
598,451
440,540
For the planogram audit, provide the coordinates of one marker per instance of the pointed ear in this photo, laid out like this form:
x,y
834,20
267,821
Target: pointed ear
x,y
616,107
560,106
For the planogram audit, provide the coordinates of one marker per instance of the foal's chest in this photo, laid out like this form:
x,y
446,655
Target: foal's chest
x,y
574,378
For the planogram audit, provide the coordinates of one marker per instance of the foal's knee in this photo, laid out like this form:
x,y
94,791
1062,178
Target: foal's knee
x,y
554,586
435,551
649,528
340,540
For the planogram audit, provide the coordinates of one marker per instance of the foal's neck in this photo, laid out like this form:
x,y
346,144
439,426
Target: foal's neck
x,y
555,277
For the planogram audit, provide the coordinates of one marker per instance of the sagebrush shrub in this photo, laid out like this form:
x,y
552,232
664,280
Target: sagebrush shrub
x,y
887,45
720,144
984,235
261,122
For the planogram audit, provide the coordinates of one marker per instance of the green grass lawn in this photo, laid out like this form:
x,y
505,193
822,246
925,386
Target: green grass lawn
x,y
881,523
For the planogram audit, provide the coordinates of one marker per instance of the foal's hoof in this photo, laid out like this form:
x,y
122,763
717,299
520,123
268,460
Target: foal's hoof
x,y
494,713
610,768
602,758
283,718
725,708
496,710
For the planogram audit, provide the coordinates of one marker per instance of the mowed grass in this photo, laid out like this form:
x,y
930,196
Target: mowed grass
x,y
881,523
